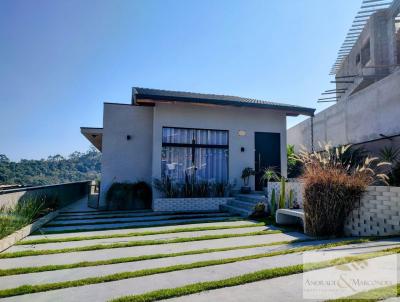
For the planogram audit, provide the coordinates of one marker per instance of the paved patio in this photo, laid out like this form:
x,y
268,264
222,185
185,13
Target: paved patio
x,y
80,223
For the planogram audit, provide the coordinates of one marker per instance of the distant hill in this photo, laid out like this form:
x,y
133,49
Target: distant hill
x,y
53,170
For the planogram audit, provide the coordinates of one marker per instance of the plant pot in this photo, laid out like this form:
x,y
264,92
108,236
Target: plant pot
x,y
245,190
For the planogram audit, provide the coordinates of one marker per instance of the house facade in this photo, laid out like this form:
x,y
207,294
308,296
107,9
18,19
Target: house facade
x,y
169,133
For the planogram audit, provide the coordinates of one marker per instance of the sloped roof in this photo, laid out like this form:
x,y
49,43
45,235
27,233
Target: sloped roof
x,y
158,95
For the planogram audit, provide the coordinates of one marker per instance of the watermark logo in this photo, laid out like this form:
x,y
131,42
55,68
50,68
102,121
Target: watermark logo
x,y
347,279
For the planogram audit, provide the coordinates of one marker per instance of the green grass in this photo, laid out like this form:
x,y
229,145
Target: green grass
x,y
373,295
223,219
133,234
130,244
246,278
38,269
134,219
24,213
28,289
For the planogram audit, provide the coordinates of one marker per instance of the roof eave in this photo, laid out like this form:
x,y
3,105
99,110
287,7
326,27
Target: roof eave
x,y
289,109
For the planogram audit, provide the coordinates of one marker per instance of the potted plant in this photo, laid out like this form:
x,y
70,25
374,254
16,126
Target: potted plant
x,y
268,175
246,174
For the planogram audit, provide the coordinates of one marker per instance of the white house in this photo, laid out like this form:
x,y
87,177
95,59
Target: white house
x,y
173,133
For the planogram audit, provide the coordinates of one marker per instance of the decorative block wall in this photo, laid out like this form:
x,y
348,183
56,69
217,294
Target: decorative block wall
x,y
378,214
295,186
188,204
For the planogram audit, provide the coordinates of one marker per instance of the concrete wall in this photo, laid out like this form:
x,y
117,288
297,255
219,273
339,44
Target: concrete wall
x,y
66,193
232,119
123,159
378,214
362,117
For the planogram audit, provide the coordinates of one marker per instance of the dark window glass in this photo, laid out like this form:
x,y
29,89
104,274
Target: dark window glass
x,y
196,152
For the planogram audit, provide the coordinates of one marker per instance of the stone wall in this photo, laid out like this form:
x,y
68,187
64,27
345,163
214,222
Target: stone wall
x,y
378,214
296,187
188,204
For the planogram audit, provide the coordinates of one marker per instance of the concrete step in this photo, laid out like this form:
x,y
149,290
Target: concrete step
x,y
236,210
254,198
241,204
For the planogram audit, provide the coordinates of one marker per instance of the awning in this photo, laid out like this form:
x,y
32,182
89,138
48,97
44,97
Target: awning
x,y
94,135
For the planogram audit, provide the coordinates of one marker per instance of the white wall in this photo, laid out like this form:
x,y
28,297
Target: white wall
x,y
223,118
122,159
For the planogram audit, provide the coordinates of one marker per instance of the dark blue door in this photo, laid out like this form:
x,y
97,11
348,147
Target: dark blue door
x,y
267,154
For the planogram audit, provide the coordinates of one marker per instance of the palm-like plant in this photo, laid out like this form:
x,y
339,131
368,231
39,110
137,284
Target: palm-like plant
x,y
269,174
389,154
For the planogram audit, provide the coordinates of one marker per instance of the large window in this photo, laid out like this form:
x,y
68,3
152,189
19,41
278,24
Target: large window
x,y
198,153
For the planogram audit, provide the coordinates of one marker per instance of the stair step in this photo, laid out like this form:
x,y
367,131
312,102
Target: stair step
x,y
254,198
236,210
242,204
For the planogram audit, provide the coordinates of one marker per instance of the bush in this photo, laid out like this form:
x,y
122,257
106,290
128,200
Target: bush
x,y
191,188
333,187
129,196
259,210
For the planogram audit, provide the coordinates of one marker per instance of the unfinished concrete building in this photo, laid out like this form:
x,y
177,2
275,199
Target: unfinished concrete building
x,y
367,94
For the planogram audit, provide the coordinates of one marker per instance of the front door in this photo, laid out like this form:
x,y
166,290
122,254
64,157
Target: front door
x,y
267,154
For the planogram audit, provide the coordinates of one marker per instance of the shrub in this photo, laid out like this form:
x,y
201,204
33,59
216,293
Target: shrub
x,y
259,210
282,193
333,187
191,188
273,203
124,196
246,174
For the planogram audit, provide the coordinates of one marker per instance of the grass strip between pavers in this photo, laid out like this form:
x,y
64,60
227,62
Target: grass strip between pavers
x,y
134,234
131,244
82,230
373,295
134,219
38,269
247,278
29,289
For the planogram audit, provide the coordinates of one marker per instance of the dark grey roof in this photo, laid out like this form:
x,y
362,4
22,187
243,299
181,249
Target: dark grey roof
x,y
191,97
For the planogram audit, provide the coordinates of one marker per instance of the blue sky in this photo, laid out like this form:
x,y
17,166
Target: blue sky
x,y
60,60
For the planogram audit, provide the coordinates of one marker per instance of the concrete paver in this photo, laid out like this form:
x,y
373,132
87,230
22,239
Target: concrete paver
x,y
110,290
105,254
73,244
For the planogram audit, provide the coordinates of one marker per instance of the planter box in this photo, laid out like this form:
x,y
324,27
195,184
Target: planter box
x,y
189,204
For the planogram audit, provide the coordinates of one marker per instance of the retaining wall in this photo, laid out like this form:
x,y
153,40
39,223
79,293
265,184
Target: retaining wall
x,y
378,214
188,204
66,193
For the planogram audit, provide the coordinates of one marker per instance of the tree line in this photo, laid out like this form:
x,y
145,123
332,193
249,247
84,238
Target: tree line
x,y
55,169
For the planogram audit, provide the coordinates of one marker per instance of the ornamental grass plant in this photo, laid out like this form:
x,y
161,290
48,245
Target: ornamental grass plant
x,y
333,185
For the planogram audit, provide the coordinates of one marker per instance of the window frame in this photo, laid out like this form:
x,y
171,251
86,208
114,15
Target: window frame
x,y
195,145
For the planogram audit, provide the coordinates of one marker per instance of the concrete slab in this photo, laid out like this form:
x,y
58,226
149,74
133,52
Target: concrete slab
x,y
73,244
95,216
145,250
133,224
110,290
135,218
94,271
80,205
282,289
145,229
